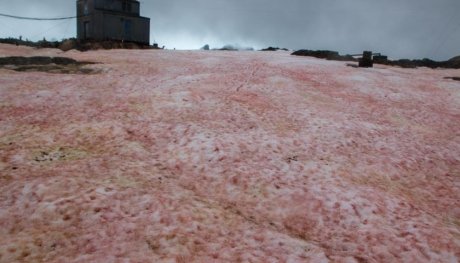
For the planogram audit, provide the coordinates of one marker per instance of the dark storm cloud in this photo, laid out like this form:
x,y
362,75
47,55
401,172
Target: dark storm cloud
x,y
399,28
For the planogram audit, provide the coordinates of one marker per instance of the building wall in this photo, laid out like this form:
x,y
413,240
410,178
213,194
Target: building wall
x,y
114,27
119,6
81,20
81,4
108,22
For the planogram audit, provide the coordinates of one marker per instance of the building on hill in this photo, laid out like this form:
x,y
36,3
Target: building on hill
x,y
118,20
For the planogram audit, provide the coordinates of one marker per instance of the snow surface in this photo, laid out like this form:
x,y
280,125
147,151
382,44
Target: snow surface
x,y
193,156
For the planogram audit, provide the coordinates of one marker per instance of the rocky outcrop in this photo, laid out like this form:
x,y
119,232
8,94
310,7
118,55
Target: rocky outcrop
x,y
46,64
324,54
453,63
457,58
72,43
274,49
407,63
235,48
21,61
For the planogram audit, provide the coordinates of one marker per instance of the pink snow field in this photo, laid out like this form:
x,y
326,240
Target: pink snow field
x,y
210,156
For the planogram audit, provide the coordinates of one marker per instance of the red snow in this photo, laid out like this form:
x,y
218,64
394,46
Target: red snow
x,y
176,156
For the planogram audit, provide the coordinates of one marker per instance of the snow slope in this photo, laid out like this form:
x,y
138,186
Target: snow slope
x,y
193,156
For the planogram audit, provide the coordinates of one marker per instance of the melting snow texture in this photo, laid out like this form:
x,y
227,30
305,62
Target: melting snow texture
x,y
193,156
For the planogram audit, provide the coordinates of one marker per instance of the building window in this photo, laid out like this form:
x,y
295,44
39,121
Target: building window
x,y
85,8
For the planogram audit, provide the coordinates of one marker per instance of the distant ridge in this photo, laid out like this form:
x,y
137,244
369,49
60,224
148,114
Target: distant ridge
x,y
455,59
404,63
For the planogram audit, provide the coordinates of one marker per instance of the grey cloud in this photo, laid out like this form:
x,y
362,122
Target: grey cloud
x,y
398,28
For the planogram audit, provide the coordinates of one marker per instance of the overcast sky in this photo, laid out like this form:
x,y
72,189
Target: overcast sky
x,y
398,28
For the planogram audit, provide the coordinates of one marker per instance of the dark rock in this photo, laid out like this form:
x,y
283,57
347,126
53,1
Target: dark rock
x,y
235,48
205,47
61,65
40,60
274,49
453,63
352,65
379,59
407,63
12,61
454,59
63,61
453,78
270,49
316,53
68,44
228,48
22,61
324,54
